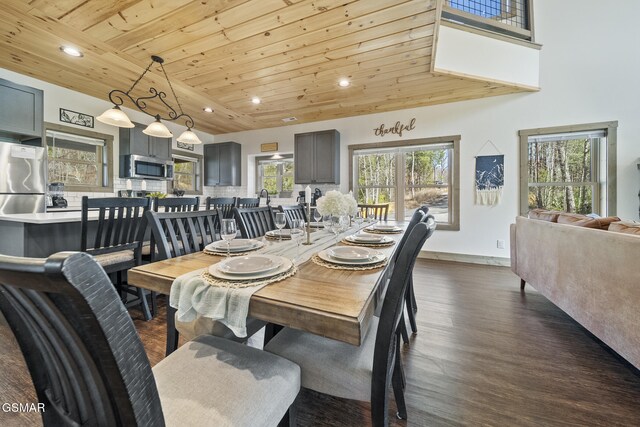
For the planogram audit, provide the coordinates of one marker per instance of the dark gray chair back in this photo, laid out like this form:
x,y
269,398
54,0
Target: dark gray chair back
x,y
384,356
379,212
84,355
254,222
180,233
224,204
176,204
247,202
293,212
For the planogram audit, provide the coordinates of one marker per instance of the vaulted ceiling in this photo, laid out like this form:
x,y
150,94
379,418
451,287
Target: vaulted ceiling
x,y
221,53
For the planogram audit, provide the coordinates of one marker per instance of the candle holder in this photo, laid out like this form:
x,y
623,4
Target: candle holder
x,y
308,242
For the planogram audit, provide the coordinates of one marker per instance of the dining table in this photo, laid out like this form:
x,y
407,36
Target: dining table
x,y
333,303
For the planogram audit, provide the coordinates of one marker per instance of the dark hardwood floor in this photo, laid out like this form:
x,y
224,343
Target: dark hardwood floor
x,y
485,354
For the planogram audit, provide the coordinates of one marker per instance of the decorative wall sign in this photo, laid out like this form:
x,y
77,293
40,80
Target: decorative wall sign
x,y
185,146
489,179
269,146
76,118
397,129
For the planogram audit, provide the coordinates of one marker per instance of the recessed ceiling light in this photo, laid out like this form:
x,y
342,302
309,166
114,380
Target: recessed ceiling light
x,y
255,100
71,51
207,110
344,82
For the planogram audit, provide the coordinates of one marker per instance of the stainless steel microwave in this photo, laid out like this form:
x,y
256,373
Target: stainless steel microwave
x,y
135,166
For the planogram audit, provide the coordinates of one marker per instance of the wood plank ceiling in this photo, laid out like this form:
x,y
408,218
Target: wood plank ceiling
x,y
221,53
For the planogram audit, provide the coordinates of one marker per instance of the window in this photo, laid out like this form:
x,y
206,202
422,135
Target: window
x,y
275,175
507,17
187,172
79,159
570,169
408,174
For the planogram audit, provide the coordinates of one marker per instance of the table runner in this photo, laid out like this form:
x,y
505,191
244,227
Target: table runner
x,y
193,297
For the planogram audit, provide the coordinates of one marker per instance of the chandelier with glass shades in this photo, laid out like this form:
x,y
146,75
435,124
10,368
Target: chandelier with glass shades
x,y
116,117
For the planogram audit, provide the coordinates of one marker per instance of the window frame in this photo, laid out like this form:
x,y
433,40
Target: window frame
x,y
106,153
610,150
198,172
454,165
281,174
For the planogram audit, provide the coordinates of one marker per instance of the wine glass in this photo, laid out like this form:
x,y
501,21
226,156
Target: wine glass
x,y
317,215
336,226
228,232
281,221
343,220
326,222
297,231
358,218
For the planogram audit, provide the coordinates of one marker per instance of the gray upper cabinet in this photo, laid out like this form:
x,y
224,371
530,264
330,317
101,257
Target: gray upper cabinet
x,y
317,157
21,113
222,164
134,141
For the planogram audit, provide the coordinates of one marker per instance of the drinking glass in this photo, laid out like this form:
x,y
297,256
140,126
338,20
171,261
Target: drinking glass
x,y
358,218
297,232
228,232
343,220
336,226
281,221
326,222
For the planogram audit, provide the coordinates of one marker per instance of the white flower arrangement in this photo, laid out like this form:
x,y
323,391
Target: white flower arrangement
x,y
335,203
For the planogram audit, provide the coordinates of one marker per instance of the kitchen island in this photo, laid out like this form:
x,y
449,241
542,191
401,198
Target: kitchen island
x,y
39,235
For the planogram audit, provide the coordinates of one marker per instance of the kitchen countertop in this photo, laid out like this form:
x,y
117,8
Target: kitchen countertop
x,y
47,218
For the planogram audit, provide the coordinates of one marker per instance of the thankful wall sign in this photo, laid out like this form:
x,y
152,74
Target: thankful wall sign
x,y
397,129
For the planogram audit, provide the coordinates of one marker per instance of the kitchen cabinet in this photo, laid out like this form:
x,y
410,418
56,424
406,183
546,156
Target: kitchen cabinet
x,y
134,141
317,157
21,110
222,164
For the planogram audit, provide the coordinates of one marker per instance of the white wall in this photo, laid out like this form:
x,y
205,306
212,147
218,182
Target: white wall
x,y
56,97
588,73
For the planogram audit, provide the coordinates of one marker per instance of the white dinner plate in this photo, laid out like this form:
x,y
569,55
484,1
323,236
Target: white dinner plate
x,y
284,267
364,239
351,253
277,233
384,227
237,245
250,264
326,257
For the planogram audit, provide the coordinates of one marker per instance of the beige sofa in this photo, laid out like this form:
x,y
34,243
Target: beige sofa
x,y
590,273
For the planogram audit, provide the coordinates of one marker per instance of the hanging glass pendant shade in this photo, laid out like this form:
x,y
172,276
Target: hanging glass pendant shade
x,y
189,137
115,117
158,129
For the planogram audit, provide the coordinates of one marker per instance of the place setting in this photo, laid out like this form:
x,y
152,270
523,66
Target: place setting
x,y
249,270
384,229
234,248
369,240
350,258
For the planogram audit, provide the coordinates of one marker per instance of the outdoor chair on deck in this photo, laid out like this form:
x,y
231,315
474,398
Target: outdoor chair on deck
x,y
115,240
181,233
378,212
89,367
361,373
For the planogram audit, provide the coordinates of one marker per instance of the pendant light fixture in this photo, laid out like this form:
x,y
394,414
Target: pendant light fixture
x,y
116,117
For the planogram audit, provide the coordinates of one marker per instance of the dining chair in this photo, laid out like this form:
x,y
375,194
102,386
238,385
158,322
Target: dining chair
x,y
247,202
90,368
176,204
254,222
362,372
374,211
115,240
224,204
411,303
182,233
293,212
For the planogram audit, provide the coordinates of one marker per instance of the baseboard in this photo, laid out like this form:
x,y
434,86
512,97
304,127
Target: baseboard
x,y
471,259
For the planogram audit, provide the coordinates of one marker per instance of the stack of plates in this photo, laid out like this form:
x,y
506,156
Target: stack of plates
x,y
384,228
250,267
369,239
351,255
314,224
275,234
237,245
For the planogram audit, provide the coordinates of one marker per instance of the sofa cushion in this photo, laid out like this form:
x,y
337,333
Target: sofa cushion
x,y
625,227
544,215
580,220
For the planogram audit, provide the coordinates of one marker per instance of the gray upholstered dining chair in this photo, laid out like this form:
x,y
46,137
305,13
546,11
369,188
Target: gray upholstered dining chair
x,y
361,373
89,367
181,233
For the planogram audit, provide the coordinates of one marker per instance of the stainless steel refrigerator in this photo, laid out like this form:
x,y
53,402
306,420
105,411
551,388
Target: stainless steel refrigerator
x,y
22,178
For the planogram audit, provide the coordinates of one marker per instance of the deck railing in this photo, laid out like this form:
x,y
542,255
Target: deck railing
x,y
507,17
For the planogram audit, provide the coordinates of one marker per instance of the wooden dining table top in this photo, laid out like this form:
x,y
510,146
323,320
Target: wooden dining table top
x,y
336,304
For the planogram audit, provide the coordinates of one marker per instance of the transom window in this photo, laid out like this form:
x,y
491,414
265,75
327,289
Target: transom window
x,y
408,174
80,161
187,173
275,175
568,169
